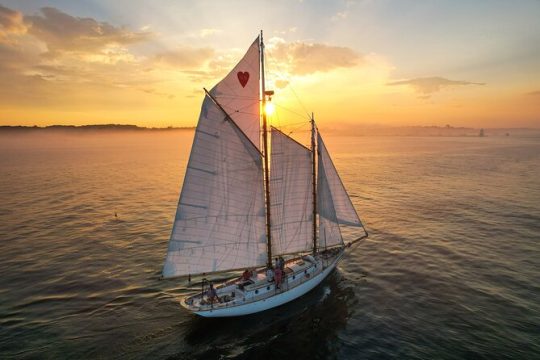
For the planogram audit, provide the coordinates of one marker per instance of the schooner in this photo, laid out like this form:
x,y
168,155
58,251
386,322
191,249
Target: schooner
x,y
242,205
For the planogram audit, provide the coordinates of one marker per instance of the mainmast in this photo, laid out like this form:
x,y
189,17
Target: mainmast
x,y
314,183
265,143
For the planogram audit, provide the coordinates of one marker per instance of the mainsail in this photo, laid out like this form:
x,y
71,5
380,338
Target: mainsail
x,y
333,203
220,218
291,195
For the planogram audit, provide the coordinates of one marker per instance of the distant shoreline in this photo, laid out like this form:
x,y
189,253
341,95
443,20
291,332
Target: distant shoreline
x,y
341,130
108,127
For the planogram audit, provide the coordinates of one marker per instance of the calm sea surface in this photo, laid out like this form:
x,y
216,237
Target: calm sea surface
x,y
451,269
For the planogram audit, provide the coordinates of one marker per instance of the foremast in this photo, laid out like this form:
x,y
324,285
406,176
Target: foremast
x,y
265,152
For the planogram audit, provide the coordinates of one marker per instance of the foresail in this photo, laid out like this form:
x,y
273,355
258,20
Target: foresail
x,y
220,218
239,93
333,203
291,195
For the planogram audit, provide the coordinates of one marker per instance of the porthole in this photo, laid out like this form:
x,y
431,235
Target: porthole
x,y
256,291
268,288
294,277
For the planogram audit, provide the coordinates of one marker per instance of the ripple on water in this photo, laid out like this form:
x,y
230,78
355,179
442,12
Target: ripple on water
x,y
450,270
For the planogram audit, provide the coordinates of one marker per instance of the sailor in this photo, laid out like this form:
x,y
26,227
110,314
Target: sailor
x,y
281,263
212,294
246,275
278,275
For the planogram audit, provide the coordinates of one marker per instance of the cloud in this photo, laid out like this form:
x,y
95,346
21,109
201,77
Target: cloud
x,y
11,22
430,85
286,31
340,15
305,58
185,57
81,54
209,32
345,13
534,93
63,32
158,93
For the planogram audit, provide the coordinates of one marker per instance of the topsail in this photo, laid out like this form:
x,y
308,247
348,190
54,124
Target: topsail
x,y
239,93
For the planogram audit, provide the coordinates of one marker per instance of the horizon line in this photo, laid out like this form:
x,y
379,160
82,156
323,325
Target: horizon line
x,y
111,126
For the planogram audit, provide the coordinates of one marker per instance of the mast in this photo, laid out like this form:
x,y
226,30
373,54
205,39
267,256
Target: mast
x,y
265,143
314,183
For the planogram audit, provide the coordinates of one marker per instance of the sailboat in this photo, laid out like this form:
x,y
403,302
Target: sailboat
x,y
242,204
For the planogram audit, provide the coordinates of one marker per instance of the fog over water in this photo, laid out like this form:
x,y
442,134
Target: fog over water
x,y
451,269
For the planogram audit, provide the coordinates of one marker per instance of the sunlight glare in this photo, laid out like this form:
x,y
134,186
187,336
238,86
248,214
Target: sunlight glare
x,y
269,108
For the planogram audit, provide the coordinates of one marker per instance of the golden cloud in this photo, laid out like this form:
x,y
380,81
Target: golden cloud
x,y
306,58
430,85
11,22
63,32
185,57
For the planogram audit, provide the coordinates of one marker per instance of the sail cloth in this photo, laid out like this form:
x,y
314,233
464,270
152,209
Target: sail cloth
x,y
333,203
220,218
291,195
239,93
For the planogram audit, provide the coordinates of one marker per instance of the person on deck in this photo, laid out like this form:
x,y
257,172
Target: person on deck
x,y
246,275
277,276
212,294
282,263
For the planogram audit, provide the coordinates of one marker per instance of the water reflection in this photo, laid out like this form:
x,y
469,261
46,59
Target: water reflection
x,y
452,257
306,328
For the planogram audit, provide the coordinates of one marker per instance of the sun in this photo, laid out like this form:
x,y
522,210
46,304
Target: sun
x,y
269,108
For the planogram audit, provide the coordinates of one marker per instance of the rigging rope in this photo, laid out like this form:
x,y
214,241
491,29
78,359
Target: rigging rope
x,y
281,70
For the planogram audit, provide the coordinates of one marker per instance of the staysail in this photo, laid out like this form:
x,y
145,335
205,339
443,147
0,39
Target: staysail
x,y
291,195
333,203
220,218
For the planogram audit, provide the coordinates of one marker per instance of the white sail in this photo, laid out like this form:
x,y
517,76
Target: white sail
x,y
329,232
220,218
239,93
291,195
334,205
345,211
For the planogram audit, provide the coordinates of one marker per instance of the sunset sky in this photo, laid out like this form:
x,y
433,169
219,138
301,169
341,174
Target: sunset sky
x,y
390,62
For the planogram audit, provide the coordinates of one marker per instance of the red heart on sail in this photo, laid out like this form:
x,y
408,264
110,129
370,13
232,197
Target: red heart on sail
x,y
243,77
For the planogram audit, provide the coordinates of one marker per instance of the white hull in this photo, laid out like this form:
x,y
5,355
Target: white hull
x,y
274,297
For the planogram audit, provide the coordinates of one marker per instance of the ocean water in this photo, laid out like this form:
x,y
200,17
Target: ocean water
x,y
451,269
